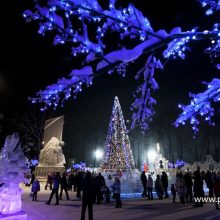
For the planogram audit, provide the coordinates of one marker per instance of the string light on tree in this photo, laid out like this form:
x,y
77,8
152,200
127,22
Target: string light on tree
x,y
118,154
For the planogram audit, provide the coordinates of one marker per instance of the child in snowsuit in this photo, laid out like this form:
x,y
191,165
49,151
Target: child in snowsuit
x,y
173,192
107,195
34,189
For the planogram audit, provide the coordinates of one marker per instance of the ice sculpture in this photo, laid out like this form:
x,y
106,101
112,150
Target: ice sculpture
x,y
12,170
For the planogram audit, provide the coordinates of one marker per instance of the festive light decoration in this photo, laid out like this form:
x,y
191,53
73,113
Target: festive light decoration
x,y
118,154
80,166
70,21
200,106
210,5
143,99
179,164
32,163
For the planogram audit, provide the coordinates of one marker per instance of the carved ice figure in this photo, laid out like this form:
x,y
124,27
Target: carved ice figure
x,y
52,153
12,170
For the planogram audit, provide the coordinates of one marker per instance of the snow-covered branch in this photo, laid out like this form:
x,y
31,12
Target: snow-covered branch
x,y
142,107
200,106
74,22
64,88
51,96
129,22
210,5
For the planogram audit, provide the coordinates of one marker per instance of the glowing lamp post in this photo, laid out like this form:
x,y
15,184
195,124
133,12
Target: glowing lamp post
x,y
151,154
158,148
98,155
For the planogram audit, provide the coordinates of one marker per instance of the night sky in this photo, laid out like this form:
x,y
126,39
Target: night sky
x,y
29,62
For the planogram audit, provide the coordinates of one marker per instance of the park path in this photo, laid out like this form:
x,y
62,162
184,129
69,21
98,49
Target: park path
x,y
133,209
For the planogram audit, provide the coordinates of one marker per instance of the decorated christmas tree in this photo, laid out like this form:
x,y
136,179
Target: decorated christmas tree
x,y
118,154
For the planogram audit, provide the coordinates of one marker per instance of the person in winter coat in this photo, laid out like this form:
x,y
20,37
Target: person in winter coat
x,y
49,181
79,180
180,187
55,190
64,186
173,192
32,177
88,197
189,184
144,183
107,194
159,187
164,180
100,183
35,189
116,187
150,183
217,189
209,182
198,187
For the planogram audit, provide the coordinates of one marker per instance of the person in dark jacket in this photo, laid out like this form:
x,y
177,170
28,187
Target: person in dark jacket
x,y
189,184
49,181
35,188
164,180
100,183
70,182
159,187
144,183
88,188
32,177
107,194
150,184
116,187
79,181
173,192
217,189
55,190
64,186
209,182
198,187
180,187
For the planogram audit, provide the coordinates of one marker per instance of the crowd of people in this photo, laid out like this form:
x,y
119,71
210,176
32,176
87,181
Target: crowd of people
x,y
160,186
91,188
187,185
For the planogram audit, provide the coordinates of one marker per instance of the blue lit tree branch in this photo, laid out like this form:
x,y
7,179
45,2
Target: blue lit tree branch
x,y
200,106
69,21
210,5
143,103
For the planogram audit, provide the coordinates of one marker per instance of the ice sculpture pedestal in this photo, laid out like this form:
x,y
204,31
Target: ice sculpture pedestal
x,y
12,170
130,181
10,204
16,216
43,170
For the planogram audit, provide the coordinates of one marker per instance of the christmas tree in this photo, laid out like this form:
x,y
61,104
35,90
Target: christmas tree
x,y
118,154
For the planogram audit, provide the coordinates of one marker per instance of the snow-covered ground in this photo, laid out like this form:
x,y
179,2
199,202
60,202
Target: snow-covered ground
x,y
133,209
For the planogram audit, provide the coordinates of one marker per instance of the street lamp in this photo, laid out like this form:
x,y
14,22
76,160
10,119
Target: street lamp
x,y
158,148
151,154
98,155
